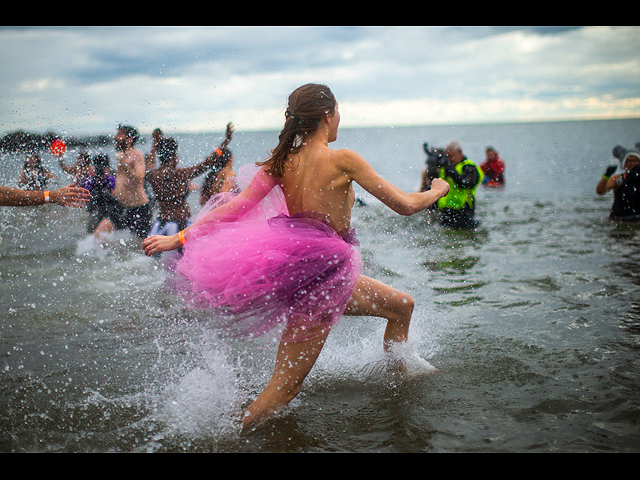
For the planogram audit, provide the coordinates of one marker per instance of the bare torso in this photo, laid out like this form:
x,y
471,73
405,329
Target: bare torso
x,y
171,186
314,180
130,174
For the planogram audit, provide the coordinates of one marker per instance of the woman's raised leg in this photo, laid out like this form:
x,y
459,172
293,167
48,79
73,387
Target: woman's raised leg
x,y
376,299
296,359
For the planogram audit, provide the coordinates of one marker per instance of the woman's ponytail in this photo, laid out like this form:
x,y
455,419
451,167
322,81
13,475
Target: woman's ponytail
x,y
307,106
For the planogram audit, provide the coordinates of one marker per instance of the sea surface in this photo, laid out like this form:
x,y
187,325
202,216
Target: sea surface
x,y
533,319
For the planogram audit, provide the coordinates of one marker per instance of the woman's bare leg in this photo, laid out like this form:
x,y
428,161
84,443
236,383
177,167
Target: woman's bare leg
x,y
293,363
296,359
375,299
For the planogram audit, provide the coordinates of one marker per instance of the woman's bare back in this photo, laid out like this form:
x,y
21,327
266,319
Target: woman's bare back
x,y
313,181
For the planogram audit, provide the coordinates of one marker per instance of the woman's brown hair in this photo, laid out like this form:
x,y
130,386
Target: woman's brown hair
x,y
307,106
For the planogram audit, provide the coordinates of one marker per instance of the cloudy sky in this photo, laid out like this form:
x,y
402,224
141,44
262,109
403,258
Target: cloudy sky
x,y
85,80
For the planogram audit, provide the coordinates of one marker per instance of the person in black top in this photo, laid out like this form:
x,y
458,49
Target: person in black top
x,y
34,176
625,186
100,184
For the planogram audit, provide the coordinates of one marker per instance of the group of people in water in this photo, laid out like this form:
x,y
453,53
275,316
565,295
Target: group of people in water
x,y
457,209
139,184
124,198
281,250
162,184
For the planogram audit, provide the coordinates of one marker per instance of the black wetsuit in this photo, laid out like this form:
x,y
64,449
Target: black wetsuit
x,y
98,207
626,199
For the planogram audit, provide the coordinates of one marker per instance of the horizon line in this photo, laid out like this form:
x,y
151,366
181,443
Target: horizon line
x,y
63,133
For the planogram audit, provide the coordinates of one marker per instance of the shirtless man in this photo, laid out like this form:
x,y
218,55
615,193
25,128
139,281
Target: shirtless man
x,y
129,207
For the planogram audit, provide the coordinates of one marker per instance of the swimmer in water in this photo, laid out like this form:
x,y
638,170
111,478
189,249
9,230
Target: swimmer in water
x,y
493,168
625,185
171,184
34,176
101,184
219,181
129,207
82,170
298,266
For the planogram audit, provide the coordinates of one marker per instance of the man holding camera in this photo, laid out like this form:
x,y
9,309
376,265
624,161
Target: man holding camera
x,y
457,208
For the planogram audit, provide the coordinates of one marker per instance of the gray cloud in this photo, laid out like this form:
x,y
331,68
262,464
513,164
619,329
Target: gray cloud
x,y
189,79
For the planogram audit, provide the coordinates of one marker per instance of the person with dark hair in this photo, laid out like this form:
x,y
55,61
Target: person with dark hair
x,y
101,184
129,206
625,185
157,136
34,176
282,251
219,181
81,170
171,184
493,168
128,132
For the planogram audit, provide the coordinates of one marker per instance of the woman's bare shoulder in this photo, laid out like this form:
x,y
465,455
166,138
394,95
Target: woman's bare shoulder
x,y
348,160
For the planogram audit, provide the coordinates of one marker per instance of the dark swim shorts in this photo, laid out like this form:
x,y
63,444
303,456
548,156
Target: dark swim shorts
x,y
136,219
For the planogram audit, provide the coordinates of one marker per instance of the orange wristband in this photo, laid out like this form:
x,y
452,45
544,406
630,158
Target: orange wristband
x,y
219,152
181,236
46,197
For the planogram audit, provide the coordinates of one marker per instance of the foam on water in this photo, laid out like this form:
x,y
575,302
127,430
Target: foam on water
x,y
206,400
354,350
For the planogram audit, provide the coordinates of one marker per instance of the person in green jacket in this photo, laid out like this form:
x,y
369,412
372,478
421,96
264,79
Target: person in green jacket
x,y
457,208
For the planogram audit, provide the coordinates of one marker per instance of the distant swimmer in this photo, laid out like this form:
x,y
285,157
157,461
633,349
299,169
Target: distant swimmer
x,y
129,206
171,184
625,185
82,169
69,196
34,176
493,168
157,136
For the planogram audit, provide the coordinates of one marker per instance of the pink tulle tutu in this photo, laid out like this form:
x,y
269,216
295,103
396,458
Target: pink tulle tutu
x,y
255,267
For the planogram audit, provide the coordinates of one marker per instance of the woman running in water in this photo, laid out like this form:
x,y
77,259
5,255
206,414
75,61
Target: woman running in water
x,y
283,251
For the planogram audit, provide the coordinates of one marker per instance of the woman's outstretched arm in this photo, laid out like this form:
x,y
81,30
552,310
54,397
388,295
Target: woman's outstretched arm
x,y
69,196
262,183
400,202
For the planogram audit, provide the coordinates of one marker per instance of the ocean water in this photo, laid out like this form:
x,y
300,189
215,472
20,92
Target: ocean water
x,y
533,319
